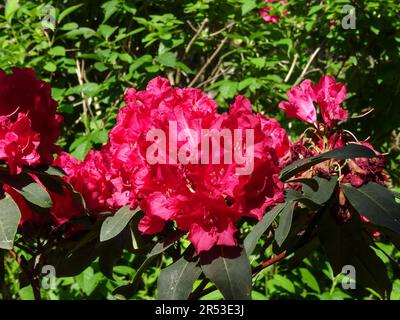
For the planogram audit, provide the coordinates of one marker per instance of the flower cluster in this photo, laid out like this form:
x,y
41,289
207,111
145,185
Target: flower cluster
x,y
329,96
203,198
29,124
29,127
265,11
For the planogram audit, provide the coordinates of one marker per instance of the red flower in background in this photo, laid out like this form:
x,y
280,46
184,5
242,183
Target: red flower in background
x,y
29,123
300,105
265,12
18,143
328,95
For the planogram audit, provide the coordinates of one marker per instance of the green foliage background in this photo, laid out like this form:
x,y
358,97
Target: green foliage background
x,y
97,49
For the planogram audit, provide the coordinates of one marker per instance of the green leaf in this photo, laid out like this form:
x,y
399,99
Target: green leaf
x,y
50,66
57,51
36,194
68,11
140,61
308,278
113,225
176,281
106,31
231,273
315,9
228,89
167,59
346,244
347,152
283,283
10,9
324,190
82,149
70,26
126,291
252,238
110,252
99,136
376,203
82,31
109,8
248,5
285,222
9,221
54,171
311,183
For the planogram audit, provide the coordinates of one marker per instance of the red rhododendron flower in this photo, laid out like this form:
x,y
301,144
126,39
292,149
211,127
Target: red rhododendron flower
x,y
328,94
101,186
26,101
204,199
265,12
18,143
300,105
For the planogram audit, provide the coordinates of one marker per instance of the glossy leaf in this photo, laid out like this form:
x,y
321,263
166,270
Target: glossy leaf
x,y
113,225
345,245
9,220
324,190
347,152
252,238
36,194
376,203
176,281
285,222
231,273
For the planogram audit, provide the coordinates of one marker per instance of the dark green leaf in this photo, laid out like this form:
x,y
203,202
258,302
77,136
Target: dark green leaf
x,y
376,203
346,245
128,290
252,238
347,152
176,281
36,194
231,273
68,11
285,222
324,191
113,225
311,183
9,220
110,252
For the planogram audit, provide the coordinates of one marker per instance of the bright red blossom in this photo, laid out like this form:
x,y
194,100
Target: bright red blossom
x,y
327,94
18,143
100,184
265,12
203,199
22,93
300,105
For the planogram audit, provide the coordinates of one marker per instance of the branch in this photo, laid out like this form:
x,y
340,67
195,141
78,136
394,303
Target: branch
x,y
291,67
203,24
307,65
208,62
223,29
269,262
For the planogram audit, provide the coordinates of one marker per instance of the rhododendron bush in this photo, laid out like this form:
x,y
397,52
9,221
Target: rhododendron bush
x,y
180,180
